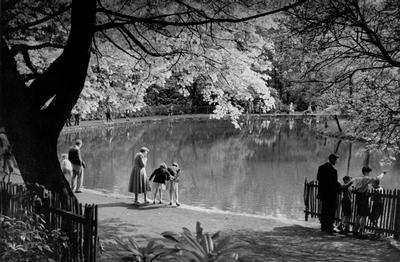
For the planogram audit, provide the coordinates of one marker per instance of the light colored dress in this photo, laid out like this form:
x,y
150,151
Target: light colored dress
x,y
138,182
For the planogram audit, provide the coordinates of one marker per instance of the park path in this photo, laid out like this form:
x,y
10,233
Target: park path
x,y
264,239
297,243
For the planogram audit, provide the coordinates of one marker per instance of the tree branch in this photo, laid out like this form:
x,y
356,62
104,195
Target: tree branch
x,y
156,20
24,47
37,22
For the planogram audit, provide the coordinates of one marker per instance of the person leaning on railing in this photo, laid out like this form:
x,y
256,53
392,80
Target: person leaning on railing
x,y
361,187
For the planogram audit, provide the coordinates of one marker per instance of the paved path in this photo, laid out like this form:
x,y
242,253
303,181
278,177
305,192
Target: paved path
x,y
264,239
298,243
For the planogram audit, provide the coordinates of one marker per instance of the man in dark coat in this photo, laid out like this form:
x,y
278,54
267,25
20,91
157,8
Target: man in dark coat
x,y
74,155
328,190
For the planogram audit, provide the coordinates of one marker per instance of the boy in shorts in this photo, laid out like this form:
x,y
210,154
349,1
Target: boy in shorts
x,y
344,226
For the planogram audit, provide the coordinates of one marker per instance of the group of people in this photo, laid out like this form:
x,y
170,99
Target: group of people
x,y
164,178
329,188
73,166
77,118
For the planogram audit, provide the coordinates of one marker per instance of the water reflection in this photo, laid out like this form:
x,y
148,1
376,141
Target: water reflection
x,y
259,169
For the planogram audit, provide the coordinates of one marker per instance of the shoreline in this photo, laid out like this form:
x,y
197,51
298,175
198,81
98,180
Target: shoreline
x,y
264,238
202,209
89,124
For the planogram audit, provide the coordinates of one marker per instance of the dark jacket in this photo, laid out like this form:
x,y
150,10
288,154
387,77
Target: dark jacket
x,y
175,172
74,155
161,175
328,182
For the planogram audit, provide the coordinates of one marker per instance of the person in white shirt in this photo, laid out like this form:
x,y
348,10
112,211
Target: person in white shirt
x,y
66,167
361,186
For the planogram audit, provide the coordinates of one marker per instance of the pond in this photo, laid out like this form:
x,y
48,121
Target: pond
x,y
259,169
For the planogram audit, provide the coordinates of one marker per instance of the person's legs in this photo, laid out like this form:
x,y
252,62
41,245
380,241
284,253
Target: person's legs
x,y
73,179
323,218
356,226
80,180
176,194
136,197
160,190
346,223
171,194
362,225
331,214
155,193
68,176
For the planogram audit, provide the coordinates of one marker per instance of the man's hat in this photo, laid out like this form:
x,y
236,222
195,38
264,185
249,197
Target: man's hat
x,y
333,156
366,169
345,178
144,149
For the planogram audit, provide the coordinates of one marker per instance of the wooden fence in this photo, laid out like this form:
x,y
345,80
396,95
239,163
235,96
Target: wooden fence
x,y
78,221
388,223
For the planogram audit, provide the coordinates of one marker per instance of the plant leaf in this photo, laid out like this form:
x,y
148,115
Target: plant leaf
x,y
193,242
171,236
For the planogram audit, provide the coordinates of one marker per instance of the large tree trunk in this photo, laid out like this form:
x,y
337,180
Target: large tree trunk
x,y
32,129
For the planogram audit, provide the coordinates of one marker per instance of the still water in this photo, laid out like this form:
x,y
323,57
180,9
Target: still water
x,y
259,169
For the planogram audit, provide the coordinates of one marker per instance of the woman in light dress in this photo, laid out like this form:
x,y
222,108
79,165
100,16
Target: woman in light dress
x,y
139,182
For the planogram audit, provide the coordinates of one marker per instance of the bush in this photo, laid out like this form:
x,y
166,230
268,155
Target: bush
x,y
25,237
182,247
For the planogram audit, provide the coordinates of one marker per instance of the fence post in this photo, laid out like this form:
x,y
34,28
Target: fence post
x,y
306,198
397,216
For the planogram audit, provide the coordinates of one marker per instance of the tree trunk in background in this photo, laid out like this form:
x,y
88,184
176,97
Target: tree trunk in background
x,y
349,159
337,146
32,129
338,124
366,158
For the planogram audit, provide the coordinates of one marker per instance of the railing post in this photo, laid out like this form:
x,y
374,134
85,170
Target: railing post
x,y
397,216
306,198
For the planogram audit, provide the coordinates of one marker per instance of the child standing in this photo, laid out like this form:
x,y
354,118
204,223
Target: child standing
x,y
173,184
361,186
161,175
344,226
377,205
66,167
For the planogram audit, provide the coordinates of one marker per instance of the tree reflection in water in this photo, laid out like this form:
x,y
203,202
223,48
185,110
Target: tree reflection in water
x,y
259,169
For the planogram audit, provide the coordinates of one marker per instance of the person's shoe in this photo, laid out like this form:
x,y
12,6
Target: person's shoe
x,y
170,203
78,191
160,202
154,202
332,231
178,204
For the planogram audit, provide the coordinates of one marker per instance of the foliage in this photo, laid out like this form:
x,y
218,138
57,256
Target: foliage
x,y
6,158
350,57
155,35
25,237
230,60
203,247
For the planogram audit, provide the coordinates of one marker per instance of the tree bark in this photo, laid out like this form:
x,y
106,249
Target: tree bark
x,y
32,129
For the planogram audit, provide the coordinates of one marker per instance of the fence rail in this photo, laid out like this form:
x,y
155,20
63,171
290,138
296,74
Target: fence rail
x,y
78,221
388,223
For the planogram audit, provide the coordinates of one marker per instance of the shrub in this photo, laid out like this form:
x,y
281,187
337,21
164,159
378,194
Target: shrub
x,y
25,237
202,247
